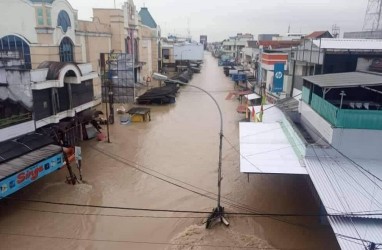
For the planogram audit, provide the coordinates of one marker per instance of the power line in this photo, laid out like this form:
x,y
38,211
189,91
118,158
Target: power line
x,y
336,193
372,198
229,202
342,154
142,242
354,238
181,211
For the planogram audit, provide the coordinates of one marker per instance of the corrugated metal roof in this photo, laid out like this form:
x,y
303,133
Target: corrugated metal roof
x,y
260,142
352,44
349,79
42,1
349,230
342,186
11,167
13,148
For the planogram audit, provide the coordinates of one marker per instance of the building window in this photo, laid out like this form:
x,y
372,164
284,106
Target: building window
x,y
66,50
63,20
40,16
166,54
15,43
48,17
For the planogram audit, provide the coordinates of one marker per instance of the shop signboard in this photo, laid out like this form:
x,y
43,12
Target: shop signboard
x,y
25,177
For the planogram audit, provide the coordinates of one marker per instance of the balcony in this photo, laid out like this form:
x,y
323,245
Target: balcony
x,y
14,120
343,118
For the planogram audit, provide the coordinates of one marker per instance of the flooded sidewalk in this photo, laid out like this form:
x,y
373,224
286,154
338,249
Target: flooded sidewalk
x,y
168,163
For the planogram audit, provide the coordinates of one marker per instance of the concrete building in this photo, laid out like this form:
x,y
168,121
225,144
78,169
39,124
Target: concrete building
x,y
233,46
326,55
266,37
364,34
149,49
331,136
274,53
203,40
46,45
188,52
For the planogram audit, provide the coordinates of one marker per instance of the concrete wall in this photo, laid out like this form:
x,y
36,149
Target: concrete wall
x,y
358,143
313,120
44,53
364,63
95,38
114,18
23,23
58,33
16,130
189,52
19,88
148,50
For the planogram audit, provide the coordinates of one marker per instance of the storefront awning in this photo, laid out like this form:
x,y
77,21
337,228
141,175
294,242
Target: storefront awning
x,y
265,149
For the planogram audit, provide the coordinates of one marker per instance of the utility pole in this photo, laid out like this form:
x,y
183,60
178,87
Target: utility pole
x,y
372,21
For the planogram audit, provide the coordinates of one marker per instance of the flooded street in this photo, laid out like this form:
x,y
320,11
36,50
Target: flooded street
x,y
168,163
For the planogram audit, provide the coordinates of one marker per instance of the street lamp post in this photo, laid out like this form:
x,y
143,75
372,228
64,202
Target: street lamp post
x,y
218,212
342,94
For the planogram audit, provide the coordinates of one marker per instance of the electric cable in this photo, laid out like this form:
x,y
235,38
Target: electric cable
x,y
226,202
143,242
336,193
372,198
230,203
181,211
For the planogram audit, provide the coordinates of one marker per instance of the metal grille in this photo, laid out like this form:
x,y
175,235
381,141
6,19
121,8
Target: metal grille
x,y
117,71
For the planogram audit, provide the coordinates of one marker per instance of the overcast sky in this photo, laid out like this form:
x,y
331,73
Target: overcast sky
x,y
219,19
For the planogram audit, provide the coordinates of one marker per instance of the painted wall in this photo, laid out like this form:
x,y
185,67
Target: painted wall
x,y
189,52
358,143
16,130
316,122
364,63
19,88
22,23
148,50
58,33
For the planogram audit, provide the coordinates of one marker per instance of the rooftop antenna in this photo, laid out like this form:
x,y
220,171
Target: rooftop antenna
x,y
336,31
188,29
115,5
288,28
372,21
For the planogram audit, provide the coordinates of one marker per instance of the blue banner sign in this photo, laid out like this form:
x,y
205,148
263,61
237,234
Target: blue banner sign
x,y
239,77
27,176
278,78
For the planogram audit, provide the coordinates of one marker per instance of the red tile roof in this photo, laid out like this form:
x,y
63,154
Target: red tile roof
x,y
317,34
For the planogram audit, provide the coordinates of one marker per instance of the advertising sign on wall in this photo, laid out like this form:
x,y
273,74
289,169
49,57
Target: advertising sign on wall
x,y
27,176
278,78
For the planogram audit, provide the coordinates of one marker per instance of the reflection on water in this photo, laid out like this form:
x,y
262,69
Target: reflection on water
x,y
179,146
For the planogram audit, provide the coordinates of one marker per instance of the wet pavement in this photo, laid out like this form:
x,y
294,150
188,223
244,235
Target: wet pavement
x,y
168,163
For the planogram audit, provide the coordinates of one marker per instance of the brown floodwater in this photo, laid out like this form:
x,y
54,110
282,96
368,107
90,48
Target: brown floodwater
x,y
180,146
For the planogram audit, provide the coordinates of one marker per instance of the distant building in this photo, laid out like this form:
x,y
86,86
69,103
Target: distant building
x,y
364,34
330,135
266,37
328,55
318,35
203,40
233,46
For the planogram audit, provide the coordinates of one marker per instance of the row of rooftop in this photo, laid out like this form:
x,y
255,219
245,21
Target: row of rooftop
x,y
326,121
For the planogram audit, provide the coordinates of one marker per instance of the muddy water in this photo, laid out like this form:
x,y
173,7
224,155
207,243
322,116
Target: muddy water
x,y
180,142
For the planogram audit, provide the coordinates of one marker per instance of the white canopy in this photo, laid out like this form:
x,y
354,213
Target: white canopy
x,y
264,148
